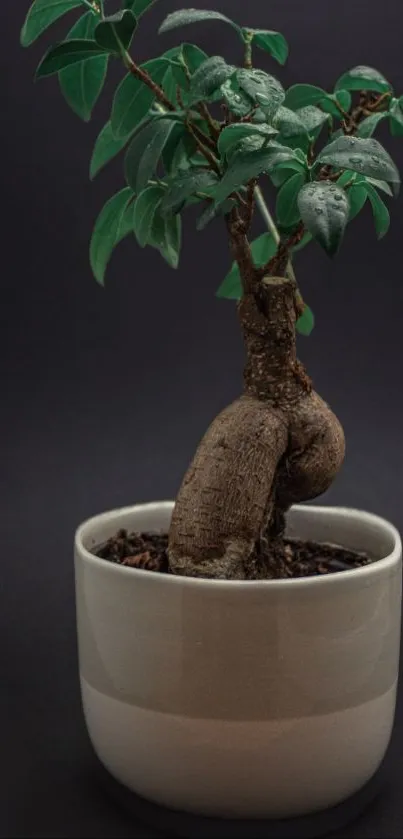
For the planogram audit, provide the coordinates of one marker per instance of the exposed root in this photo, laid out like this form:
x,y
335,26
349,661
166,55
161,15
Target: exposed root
x,y
276,445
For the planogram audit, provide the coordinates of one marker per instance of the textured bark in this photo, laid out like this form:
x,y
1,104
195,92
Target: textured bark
x,y
278,444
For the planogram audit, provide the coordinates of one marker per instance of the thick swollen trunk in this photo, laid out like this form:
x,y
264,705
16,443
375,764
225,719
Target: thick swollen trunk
x,y
276,445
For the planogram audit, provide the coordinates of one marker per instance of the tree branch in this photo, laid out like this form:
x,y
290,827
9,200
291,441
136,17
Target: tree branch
x,y
201,144
212,124
145,77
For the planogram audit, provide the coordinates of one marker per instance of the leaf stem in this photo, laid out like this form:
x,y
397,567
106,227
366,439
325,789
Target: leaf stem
x,y
96,6
248,38
271,226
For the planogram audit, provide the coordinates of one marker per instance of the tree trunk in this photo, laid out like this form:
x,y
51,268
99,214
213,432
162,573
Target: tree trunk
x,y
276,445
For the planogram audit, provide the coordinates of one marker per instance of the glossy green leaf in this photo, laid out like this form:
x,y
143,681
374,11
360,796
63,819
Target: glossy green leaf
x,y
66,54
105,149
144,153
133,98
382,185
212,212
357,196
236,100
139,6
184,185
245,166
145,208
82,83
185,17
209,77
330,103
263,248
324,209
363,78
116,30
365,156
107,232
263,89
41,15
193,57
232,135
272,42
312,118
380,211
287,210
166,235
171,148
348,177
306,322
367,127
300,95
289,124
396,119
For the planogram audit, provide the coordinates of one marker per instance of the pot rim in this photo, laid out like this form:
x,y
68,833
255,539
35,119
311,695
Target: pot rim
x,y
365,572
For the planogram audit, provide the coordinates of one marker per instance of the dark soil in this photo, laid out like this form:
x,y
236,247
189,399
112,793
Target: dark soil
x,y
148,552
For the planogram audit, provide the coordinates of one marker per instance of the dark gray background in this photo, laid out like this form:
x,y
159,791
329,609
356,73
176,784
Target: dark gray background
x,y
105,393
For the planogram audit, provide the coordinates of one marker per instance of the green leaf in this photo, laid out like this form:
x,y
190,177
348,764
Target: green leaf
x,y
312,119
363,78
107,231
245,166
382,185
115,30
133,98
193,57
66,54
236,100
173,150
357,196
263,248
82,83
144,153
329,103
272,42
211,212
365,156
184,17
184,185
105,149
367,127
300,95
209,77
165,235
324,209
41,15
287,209
289,124
380,211
396,119
232,135
145,209
305,322
264,90
139,6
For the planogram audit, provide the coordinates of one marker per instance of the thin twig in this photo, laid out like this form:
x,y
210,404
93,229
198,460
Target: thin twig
x,y
212,124
212,160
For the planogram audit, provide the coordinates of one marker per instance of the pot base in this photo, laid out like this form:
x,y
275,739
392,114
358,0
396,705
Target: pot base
x,y
173,823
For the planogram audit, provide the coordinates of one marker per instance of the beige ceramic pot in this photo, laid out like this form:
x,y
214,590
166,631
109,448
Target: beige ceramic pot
x,y
241,699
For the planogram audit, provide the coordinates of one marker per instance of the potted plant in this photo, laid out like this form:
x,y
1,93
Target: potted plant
x,y
238,652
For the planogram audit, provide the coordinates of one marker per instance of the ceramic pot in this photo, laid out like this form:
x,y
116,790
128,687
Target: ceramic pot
x,y
267,699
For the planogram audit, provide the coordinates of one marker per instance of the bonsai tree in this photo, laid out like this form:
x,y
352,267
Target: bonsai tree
x,y
198,130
